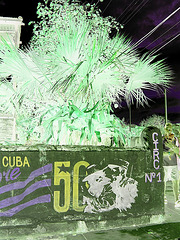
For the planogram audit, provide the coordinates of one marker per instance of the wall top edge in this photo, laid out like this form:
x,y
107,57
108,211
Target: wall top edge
x,y
76,148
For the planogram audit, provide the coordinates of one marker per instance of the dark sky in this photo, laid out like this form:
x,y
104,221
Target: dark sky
x,y
138,18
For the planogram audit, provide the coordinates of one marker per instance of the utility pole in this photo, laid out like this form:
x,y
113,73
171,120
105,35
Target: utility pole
x,y
130,117
165,105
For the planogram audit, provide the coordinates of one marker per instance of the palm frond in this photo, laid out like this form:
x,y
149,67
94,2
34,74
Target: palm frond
x,y
72,72
147,74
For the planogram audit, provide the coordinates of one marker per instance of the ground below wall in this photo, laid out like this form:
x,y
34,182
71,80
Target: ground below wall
x,y
27,229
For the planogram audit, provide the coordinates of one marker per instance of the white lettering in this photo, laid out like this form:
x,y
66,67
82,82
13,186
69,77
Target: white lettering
x,y
148,177
154,140
159,175
155,154
155,151
154,164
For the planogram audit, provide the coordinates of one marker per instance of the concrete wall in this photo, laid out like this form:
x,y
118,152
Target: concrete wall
x,y
61,189
6,128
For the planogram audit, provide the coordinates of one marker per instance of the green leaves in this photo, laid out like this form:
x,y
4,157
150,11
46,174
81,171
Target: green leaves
x,y
72,72
98,135
83,135
69,124
75,110
86,64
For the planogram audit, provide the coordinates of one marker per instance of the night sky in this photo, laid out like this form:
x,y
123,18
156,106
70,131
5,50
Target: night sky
x,y
138,18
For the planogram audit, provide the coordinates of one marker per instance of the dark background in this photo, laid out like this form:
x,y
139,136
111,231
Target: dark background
x,y
138,18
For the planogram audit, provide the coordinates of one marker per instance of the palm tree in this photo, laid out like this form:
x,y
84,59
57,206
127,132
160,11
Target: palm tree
x,y
73,71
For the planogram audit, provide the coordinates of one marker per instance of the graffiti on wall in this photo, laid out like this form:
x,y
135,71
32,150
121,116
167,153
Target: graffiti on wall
x,y
110,188
103,190
26,187
155,144
78,183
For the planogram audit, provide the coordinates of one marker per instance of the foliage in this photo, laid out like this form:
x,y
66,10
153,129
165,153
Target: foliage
x,y
93,66
159,122
66,15
71,124
71,73
154,120
132,135
176,130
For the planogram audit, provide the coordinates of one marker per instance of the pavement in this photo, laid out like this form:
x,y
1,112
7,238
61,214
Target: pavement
x,y
168,230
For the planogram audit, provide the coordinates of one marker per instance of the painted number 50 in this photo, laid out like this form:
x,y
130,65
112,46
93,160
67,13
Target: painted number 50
x,y
61,175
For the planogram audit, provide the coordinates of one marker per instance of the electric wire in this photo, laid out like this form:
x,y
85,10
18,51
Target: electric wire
x,y
96,3
128,7
154,48
153,51
155,28
107,6
135,12
162,35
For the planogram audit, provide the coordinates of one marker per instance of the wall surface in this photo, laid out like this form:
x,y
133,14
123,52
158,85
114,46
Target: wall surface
x,y
6,128
85,188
